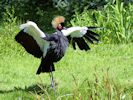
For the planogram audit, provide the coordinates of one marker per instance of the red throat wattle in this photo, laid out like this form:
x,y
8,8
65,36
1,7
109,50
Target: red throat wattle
x,y
59,27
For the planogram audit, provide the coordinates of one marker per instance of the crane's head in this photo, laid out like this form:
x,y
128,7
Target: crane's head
x,y
58,22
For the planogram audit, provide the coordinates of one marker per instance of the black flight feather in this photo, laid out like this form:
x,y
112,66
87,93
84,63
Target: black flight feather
x,y
94,27
79,43
82,44
92,33
89,39
29,44
74,44
85,45
69,38
92,37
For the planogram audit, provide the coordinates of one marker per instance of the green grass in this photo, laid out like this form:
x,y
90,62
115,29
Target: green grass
x,y
103,73
116,21
105,65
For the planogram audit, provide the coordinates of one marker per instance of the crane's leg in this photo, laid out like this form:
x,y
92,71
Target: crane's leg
x,y
51,76
52,79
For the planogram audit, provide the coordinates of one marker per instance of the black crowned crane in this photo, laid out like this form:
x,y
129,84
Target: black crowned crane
x,y
52,47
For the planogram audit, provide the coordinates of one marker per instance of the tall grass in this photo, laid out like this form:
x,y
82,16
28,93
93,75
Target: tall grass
x,y
115,19
9,27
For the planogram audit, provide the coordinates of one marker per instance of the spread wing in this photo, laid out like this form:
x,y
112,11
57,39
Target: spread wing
x,y
80,36
30,37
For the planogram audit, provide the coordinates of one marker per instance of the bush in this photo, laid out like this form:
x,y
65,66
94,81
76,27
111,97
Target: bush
x,y
115,19
38,11
9,27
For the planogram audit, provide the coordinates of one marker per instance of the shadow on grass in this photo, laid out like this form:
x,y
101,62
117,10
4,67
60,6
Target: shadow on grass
x,y
35,88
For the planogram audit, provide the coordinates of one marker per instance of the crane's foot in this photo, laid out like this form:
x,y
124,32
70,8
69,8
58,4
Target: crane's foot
x,y
53,83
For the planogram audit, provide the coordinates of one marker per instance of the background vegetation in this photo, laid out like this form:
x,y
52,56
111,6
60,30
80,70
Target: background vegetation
x,y
115,16
105,72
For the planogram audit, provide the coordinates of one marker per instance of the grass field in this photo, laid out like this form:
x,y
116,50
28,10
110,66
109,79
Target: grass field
x,y
103,73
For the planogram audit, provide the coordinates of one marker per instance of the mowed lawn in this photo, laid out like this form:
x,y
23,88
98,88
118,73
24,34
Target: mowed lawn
x,y
105,72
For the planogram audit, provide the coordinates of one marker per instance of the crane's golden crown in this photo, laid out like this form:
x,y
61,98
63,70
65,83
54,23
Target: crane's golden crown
x,y
57,20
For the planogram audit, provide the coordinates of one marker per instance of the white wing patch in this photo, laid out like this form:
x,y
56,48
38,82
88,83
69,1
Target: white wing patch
x,y
75,31
32,29
31,26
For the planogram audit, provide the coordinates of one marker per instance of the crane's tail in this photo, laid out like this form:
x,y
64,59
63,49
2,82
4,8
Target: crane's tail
x,y
45,67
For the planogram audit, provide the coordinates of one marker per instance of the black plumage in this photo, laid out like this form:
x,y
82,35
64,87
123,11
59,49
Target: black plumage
x,y
88,39
57,49
29,44
90,36
81,44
